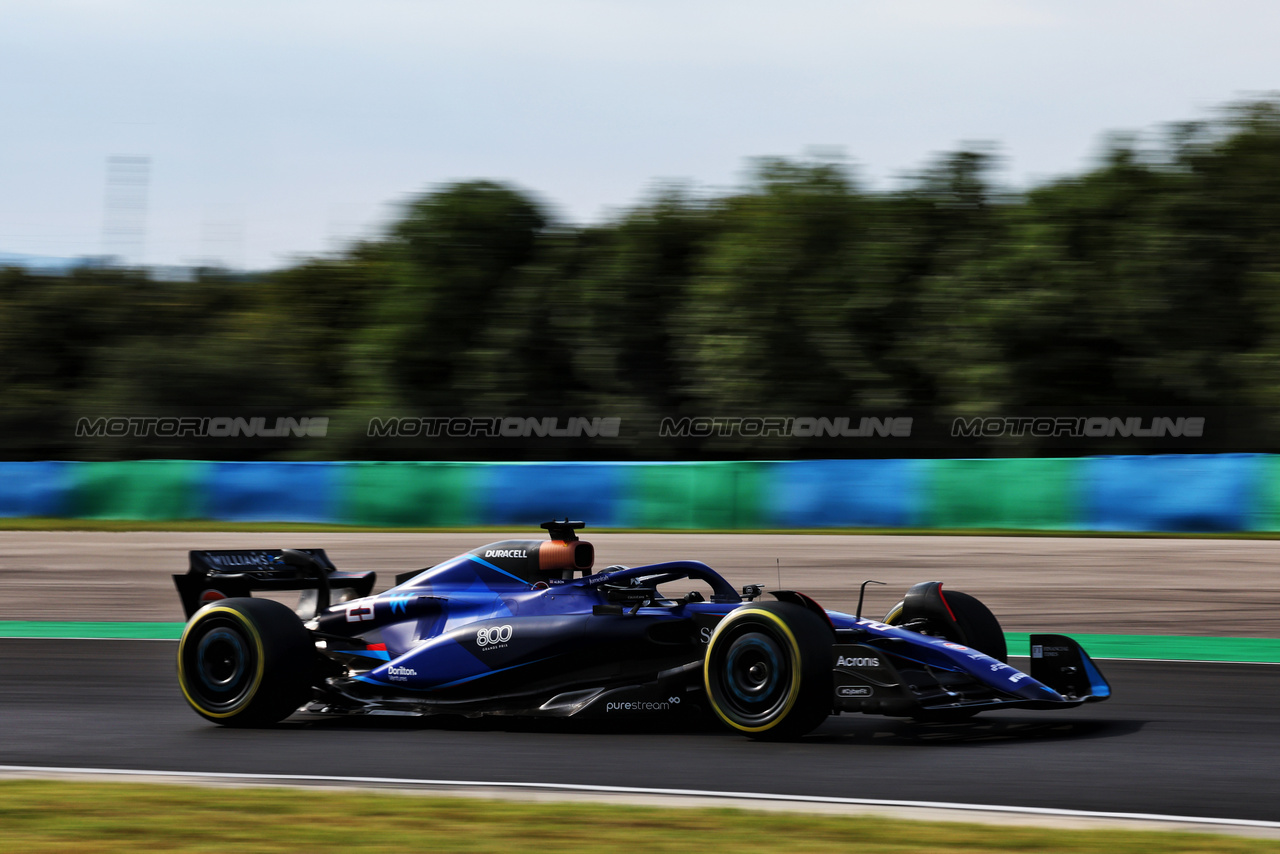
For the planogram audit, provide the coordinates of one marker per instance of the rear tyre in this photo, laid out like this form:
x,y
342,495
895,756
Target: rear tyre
x,y
768,670
979,628
246,662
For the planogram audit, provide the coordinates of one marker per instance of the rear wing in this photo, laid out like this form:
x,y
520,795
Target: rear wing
x,y
229,573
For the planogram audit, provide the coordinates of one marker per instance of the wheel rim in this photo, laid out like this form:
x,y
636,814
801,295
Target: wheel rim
x,y
220,663
752,678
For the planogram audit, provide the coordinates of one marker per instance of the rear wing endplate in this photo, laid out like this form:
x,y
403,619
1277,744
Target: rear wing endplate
x,y
229,573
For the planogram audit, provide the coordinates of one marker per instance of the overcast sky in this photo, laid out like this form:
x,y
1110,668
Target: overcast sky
x,y
279,128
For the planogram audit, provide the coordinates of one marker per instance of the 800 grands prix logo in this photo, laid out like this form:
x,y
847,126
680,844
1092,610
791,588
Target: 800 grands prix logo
x,y
494,637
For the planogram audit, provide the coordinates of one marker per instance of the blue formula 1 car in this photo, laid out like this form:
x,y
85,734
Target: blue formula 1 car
x,y
524,627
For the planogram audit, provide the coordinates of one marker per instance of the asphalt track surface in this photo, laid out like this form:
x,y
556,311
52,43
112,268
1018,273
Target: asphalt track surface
x,y
1177,738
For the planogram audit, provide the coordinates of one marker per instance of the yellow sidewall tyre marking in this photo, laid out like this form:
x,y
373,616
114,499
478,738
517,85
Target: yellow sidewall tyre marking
x,y
251,630
793,649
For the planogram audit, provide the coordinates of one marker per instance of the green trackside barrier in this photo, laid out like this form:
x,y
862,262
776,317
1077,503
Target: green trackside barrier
x,y
1222,493
1164,647
411,494
1265,513
696,495
139,489
1003,493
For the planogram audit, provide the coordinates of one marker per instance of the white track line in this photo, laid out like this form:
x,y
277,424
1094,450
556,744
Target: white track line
x,y
571,788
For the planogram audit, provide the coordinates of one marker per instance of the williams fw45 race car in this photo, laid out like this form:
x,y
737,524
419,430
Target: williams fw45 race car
x,y
524,627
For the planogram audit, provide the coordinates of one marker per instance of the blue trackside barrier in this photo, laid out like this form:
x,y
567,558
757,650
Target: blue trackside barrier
x,y
845,494
1176,492
528,494
35,489
1223,492
274,492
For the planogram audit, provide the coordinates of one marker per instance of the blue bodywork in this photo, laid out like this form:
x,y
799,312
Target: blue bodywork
x,y
468,622
506,630
467,629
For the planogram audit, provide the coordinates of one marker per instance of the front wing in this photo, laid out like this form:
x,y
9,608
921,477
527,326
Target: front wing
x,y
893,677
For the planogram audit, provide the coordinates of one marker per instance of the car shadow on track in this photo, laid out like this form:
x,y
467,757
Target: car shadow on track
x,y
508,723
974,731
840,730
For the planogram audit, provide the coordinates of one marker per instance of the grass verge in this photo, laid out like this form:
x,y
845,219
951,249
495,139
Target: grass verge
x,y
29,523
88,818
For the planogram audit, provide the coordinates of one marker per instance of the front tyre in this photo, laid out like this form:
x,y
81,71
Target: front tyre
x,y
768,670
978,627
245,662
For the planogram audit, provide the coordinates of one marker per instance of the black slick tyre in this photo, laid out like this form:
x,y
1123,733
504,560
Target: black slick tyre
x,y
979,628
767,672
982,629
246,662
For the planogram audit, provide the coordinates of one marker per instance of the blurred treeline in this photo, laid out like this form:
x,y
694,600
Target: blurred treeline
x,y
1152,279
